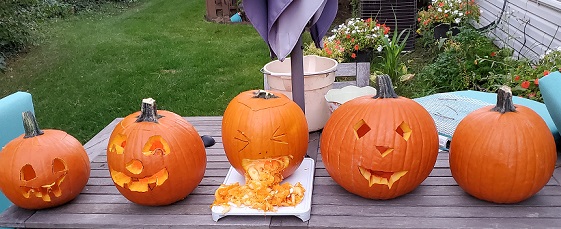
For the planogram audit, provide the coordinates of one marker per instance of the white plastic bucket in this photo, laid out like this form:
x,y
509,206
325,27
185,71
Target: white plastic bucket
x,y
319,75
336,97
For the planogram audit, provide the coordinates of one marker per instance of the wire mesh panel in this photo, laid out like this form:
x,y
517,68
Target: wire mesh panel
x,y
402,13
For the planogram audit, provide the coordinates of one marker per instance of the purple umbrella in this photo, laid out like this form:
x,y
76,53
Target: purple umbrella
x,y
281,23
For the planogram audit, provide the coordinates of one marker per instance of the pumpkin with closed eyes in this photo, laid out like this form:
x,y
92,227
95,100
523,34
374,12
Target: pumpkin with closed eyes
x,y
259,124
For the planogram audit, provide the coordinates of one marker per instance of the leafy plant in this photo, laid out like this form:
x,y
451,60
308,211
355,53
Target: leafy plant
x,y
330,49
391,63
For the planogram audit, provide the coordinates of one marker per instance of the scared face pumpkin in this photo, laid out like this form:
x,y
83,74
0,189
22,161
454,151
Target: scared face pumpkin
x,y
379,147
155,158
259,125
43,168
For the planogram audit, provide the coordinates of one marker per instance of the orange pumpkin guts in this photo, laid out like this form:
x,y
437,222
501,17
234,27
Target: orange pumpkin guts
x,y
260,125
502,153
43,168
379,147
155,157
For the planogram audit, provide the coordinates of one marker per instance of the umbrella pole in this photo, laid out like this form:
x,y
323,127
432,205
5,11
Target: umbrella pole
x,y
297,74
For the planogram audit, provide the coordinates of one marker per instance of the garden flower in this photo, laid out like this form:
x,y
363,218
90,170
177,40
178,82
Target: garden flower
x,y
545,72
359,34
536,81
517,78
448,11
525,84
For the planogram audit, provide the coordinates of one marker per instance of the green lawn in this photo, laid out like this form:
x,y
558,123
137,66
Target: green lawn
x,y
93,68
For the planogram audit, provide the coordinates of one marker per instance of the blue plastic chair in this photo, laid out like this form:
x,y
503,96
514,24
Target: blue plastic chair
x,y
11,125
549,88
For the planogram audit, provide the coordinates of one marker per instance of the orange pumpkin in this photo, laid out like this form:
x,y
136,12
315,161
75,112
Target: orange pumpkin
x,y
502,153
156,157
259,124
43,168
379,147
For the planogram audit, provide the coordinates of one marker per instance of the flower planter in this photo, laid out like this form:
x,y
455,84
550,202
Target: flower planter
x,y
363,55
441,30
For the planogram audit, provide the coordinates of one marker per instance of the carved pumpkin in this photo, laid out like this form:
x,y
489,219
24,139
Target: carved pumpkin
x,y
157,158
379,147
43,168
258,125
502,153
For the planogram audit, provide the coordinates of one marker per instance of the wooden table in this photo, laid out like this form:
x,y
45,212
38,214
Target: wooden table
x,y
437,203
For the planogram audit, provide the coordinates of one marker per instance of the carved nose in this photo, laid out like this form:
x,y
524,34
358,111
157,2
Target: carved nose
x,y
135,166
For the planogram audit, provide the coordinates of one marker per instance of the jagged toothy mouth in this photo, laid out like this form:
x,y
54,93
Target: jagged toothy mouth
x,y
139,184
44,191
381,177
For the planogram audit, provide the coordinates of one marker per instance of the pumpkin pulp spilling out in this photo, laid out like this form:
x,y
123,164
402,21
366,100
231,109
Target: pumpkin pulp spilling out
x,y
262,190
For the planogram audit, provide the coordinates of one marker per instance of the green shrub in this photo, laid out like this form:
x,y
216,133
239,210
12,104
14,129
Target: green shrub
x,y
459,67
17,22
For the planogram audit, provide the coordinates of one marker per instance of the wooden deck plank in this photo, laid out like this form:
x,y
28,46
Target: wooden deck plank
x,y
430,222
15,217
41,219
496,211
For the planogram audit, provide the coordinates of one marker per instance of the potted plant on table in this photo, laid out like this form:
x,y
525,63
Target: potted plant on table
x,y
359,37
444,15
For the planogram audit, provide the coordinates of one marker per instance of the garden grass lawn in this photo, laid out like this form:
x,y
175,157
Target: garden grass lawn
x,y
92,68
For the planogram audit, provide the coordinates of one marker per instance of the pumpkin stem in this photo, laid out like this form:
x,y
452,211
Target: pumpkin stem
x,y
504,100
262,94
30,125
148,111
384,87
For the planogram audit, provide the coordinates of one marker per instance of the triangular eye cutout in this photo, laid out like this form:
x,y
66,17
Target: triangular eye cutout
x,y
404,130
27,173
361,128
58,165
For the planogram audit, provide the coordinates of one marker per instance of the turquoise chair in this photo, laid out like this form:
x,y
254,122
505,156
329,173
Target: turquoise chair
x,y
11,125
550,86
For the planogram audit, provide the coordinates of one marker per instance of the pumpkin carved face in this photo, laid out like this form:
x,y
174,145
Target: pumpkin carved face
x,y
33,185
43,168
136,177
259,125
155,159
381,147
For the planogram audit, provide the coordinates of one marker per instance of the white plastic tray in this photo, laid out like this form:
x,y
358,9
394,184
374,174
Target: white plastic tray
x,y
304,174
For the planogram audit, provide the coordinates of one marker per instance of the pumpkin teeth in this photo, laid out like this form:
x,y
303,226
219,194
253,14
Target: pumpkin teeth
x,y
44,191
136,184
381,177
